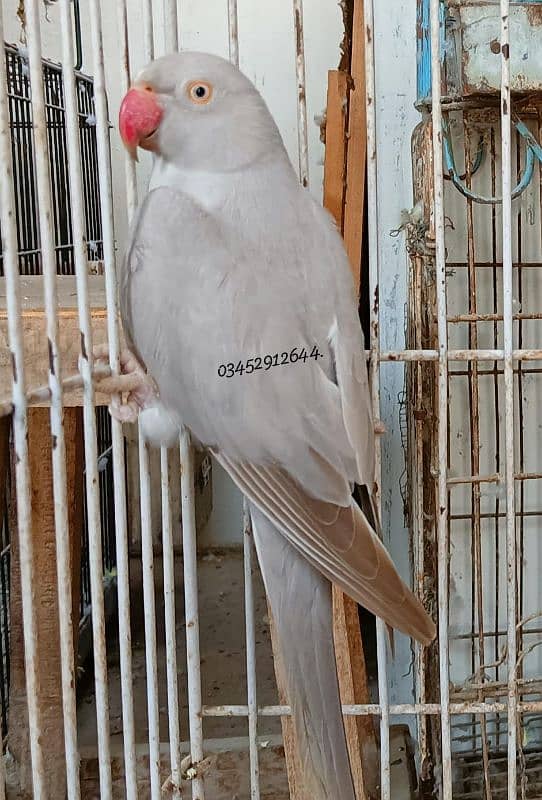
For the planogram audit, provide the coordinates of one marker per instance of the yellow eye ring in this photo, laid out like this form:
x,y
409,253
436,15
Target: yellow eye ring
x,y
200,92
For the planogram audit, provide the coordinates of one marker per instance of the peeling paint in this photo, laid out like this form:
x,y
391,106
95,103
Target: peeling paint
x,y
534,14
51,357
471,50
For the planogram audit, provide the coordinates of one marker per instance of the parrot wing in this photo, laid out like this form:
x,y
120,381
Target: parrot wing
x,y
338,541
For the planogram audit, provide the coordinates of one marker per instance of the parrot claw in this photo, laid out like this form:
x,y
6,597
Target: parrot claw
x,y
132,382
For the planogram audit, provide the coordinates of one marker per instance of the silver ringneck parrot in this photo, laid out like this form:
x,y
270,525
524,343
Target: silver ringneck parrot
x,y
238,299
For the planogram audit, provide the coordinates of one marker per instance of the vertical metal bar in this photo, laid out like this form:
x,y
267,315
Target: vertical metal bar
x,y
302,135
250,623
508,344
62,532
191,611
85,360
171,23
129,165
20,432
233,32
121,527
442,490
171,640
474,404
146,537
168,552
148,30
149,618
248,546
59,463
385,770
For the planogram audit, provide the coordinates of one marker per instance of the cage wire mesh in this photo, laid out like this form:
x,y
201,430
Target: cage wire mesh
x,y
22,142
29,264
476,450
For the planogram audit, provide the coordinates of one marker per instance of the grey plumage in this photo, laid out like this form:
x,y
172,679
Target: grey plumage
x,y
230,259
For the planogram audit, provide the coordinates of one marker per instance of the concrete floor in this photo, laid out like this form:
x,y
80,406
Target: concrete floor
x,y
222,642
222,638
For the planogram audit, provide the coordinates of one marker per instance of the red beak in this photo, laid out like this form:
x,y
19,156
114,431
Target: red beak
x,y
139,117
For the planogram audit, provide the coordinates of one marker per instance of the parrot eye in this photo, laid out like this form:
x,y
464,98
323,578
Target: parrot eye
x,y
200,92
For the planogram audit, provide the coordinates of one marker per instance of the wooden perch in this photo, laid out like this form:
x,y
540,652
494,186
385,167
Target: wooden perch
x,y
36,358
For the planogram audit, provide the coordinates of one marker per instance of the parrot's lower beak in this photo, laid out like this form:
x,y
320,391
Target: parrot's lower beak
x,y
139,118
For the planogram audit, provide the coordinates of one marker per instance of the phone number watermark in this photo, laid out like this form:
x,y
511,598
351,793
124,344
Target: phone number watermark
x,y
295,356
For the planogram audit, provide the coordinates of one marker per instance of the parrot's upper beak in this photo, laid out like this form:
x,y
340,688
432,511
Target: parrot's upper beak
x,y
139,117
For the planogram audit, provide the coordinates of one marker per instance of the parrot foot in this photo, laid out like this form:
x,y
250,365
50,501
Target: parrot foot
x,y
133,383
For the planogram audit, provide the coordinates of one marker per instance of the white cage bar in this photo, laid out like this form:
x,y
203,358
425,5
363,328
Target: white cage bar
x,y
442,520
192,615
121,532
20,431
374,263
508,311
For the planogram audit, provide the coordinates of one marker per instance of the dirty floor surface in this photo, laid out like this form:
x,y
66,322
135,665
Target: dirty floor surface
x,y
222,641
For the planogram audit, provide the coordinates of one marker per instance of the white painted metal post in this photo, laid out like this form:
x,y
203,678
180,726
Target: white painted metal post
x,y
385,769
148,30
147,547
250,627
442,492
233,32
20,433
171,23
81,269
508,331
302,134
147,560
168,554
190,562
121,526
168,551
248,543
57,431
124,49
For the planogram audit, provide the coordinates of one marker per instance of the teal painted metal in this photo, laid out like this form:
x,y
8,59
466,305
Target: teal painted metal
x,y
424,46
469,44
532,153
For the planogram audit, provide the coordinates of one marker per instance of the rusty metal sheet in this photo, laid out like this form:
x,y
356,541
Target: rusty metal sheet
x,y
480,47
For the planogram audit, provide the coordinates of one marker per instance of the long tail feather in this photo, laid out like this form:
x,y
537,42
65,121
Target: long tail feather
x,y
300,600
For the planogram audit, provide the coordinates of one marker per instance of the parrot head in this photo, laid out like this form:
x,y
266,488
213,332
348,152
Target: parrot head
x,y
197,111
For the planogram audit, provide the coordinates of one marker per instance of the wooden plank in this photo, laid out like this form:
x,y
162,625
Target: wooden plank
x,y
44,565
293,764
356,160
340,189
354,689
335,160
75,474
36,353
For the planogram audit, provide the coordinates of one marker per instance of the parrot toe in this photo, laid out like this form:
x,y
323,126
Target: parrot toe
x,y
131,391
